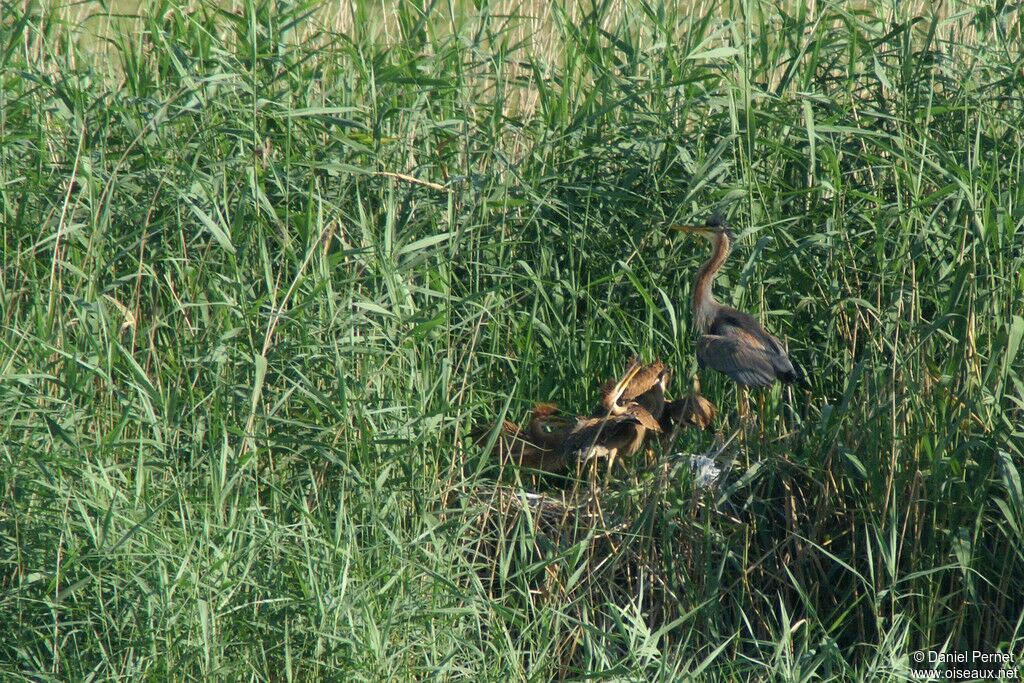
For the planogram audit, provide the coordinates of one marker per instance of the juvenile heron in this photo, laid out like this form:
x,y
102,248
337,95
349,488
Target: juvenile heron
x,y
535,447
611,437
554,443
731,341
627,413
642,384
693,410
548,427
514,444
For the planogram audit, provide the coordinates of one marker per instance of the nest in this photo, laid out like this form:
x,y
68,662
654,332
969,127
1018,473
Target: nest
x,y
592,553
568,545
558,520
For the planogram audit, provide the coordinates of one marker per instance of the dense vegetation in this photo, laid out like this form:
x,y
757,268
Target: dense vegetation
x,y
265,264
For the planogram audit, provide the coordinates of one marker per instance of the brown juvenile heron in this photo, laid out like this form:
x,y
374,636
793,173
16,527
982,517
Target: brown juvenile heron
x,y
624,418
610,436
731,341
548,427
512,443
551,442
642,384
534,447
693,410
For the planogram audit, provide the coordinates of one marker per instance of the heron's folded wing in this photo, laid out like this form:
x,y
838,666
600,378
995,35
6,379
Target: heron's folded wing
x,y
598,437
646,378
646,419
749,364
584,443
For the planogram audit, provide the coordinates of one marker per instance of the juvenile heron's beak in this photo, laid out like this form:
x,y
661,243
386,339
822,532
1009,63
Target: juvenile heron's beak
x,y
623,383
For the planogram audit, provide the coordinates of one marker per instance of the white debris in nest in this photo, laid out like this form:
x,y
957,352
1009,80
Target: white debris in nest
x,y
708,468
706,471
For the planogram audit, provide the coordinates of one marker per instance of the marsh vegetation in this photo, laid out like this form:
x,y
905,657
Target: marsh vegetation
x,y
266,264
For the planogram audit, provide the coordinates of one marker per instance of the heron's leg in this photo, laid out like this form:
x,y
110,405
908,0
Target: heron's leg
x,y
791,419
760,414
745,423
672,438
611,466
741,411
592,474
785,412
743,404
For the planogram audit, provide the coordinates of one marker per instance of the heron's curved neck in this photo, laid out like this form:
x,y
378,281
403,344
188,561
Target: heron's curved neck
x,y
704,303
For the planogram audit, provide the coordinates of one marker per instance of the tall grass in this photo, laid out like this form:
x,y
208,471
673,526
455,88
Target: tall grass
x,y
265,264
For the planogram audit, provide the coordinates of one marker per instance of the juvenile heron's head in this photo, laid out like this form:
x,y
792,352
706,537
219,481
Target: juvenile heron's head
x,y
612,392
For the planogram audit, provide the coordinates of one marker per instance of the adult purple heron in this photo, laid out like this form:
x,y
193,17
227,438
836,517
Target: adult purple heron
x,y
732,342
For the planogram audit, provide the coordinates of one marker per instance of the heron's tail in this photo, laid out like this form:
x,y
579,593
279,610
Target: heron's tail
x,y
799,377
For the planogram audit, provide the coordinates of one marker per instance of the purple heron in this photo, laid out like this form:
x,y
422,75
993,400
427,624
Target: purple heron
x,y
628,411
536,447
732,342
644,385
553,443
609,436
691,411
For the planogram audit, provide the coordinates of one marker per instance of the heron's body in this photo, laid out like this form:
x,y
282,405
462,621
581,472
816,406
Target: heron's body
x,y
691,411
547,427
538,446
514,444
733,342
609,437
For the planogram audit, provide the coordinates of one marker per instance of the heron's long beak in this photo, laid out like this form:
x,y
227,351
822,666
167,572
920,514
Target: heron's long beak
x,y
688,228
620,388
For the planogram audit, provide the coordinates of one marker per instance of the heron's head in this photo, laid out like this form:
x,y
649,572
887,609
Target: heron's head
x,y
710,229
545,409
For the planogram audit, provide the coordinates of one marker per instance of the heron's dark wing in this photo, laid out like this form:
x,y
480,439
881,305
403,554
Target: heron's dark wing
x,y
746,349
744,359
652,401
746,365
587,440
